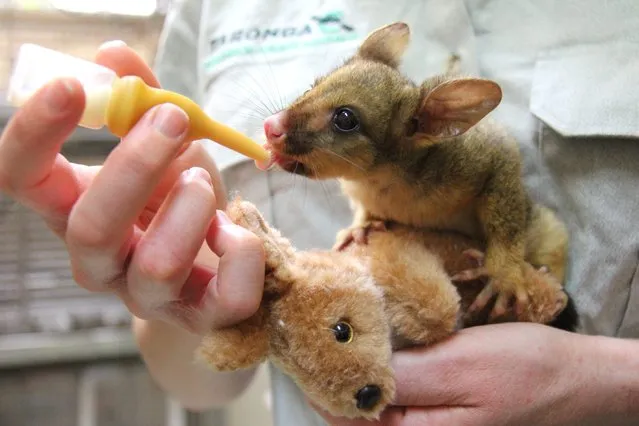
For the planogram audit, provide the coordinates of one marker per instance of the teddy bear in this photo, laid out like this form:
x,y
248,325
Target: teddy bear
x,y
332,319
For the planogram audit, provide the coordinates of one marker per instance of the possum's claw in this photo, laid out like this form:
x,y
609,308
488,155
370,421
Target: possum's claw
x,y
476,255
357,234
470,274
503,302
475,273
540,300
493,289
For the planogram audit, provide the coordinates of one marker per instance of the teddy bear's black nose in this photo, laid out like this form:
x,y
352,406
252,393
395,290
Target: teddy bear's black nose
x,y
368,396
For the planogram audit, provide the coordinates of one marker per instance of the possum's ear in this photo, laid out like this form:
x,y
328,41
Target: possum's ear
x,y
453,107
386,44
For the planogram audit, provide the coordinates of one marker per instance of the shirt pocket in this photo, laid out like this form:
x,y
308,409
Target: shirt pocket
x,y
586,101
589,90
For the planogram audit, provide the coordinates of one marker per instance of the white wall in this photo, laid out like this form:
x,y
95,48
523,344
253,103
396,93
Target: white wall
x,y
77,35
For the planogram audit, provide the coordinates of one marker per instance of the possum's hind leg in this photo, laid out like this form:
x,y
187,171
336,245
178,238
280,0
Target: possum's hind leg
x,y
544,271
547,242
546,297
547,246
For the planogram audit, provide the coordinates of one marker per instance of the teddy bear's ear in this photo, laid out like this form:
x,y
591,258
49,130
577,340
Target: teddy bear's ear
x,y
241,346
277,249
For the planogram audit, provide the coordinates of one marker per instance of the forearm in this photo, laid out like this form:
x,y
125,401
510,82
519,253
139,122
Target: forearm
x,y
168,352
609,384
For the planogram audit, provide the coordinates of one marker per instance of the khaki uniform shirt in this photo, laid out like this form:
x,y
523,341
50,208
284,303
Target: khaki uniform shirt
x,y
569,70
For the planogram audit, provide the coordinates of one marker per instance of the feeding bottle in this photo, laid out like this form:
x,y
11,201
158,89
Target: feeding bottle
x,y
116,103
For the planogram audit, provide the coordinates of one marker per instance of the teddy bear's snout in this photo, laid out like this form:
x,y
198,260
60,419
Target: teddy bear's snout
x,y
368,396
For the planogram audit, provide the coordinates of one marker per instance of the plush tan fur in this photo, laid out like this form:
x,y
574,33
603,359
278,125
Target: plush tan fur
x,y
394,292
307,293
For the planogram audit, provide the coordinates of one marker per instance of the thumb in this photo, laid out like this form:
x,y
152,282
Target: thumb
x,y
405,416
392,416
432,376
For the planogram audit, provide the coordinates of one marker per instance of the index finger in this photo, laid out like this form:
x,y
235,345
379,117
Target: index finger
x,y
236,292
31,169
119,57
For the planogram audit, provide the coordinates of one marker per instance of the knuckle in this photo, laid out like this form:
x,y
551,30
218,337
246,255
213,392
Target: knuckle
x,y
80,277
140,162
161,265
20,130
85,279
83,232
146,154
136,309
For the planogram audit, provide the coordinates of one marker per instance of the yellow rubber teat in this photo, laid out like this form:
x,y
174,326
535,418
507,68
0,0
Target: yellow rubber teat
x,y
131,98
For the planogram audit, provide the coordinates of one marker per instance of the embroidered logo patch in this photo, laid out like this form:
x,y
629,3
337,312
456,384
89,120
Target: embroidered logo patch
x,y
321,29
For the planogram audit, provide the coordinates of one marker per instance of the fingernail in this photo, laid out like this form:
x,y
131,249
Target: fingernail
x,y
198,173
58,95
222,218
112,43
171,121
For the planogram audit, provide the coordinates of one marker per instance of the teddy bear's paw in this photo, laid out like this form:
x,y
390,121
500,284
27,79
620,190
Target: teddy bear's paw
x,y
358,234
234,348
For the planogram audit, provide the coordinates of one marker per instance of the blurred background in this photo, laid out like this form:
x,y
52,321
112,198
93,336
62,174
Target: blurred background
x,y
67,356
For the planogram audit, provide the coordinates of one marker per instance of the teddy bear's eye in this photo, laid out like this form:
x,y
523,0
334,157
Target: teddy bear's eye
x,y
343,332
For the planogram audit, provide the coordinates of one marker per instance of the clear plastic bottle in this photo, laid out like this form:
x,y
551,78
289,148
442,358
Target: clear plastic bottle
x,y
113,102
36,65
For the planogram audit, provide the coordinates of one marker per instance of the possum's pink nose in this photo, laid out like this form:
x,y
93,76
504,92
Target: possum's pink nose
x,y
275,128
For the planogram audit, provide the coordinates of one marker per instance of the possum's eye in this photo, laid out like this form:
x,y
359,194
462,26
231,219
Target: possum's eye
x,y
343,332
345,120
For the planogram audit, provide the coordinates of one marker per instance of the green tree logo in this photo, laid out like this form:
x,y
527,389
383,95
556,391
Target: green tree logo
x,y
331,23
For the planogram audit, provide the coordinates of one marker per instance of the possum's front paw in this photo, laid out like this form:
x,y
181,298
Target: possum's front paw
x,y
357,234
538,298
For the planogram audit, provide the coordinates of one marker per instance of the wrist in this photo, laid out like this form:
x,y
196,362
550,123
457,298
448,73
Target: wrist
x,y
607,370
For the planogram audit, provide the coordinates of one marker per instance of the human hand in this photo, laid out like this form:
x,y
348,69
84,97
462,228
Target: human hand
x,y
498,375
137,225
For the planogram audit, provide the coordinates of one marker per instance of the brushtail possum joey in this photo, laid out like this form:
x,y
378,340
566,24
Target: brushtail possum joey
x,y
423,155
